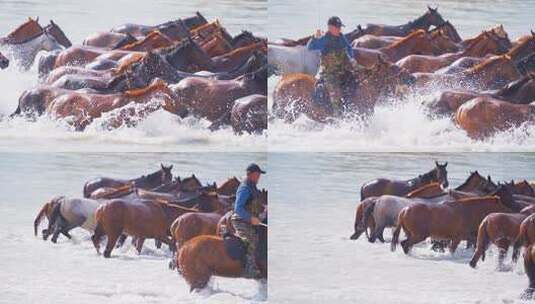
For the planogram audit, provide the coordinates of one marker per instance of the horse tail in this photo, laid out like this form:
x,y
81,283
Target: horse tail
x,y
367,212
362,195
483,241
17,112
519,241
54,215
99,229
39,218
397,231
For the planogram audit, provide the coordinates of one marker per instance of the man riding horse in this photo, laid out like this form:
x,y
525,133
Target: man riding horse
x,y
336,66
245,216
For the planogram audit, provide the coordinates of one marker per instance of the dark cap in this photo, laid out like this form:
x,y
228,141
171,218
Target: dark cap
x,y
255,168
335,21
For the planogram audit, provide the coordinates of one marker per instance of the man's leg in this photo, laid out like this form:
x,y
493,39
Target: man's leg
x,y
246,232
335,94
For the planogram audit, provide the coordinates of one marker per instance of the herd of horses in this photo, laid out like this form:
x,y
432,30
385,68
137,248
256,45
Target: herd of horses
x,y
479,211
485,83
188,67
191,218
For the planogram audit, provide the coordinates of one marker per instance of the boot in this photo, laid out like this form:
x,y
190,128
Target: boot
x,y
250,270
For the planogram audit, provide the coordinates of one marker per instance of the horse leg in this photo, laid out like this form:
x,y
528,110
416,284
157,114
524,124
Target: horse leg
x,y
139,244
121,241
99,233
376,233
411,241
453,245
112,239
503,247
158,243
59,226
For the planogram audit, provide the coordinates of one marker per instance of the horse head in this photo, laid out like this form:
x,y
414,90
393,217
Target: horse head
x,y
441,174
431,17
55,31
24,32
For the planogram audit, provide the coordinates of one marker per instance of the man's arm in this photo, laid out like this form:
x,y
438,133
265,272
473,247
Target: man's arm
x,y
316,44
242,195
349,48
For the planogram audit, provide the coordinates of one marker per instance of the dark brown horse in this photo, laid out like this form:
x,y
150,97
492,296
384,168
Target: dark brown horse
x,y
152,180
137,30
500,229
477,184
424,22
205,256
229,186
454,220
384,186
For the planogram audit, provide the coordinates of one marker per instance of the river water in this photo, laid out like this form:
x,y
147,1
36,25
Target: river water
x,y
312,212
401,125
161,131
34,271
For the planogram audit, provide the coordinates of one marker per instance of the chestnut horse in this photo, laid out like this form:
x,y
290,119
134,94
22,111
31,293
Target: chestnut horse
x,y
161,176
529,269
452,220
424,22
250,114
483,116
190,225
525,236
292,95
384,186
360,226
205,256
229,187
500,229
139,218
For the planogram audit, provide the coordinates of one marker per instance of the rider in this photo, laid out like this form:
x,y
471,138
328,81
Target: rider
x,y
245,216
336,62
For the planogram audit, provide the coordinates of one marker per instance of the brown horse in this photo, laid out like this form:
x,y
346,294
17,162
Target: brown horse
x,y
205,256
475,183
141,219
152,41
46,211
137,30
529,268
249,114
488,42
190,225
427,191
500,229
525,236
229,187
23,33
292,95
521,91
424,22
383,186
454,220
109,40
483,116
212,98
238,56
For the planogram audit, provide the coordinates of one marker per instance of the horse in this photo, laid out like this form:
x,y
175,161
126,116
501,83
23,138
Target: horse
x,y
205,256
190,225
447,102
46,211
296,59
161,176
529,269
384,186
475,183
141,219
293,94
237,57
249,114
108,40
229,187
24,32
429,18
500,229
70,213
213,99
137,30
525,236
488,42
452,220
4,62
483,116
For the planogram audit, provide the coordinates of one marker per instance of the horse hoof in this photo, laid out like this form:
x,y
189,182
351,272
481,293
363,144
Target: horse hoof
x,y
473,264
107,254
172,265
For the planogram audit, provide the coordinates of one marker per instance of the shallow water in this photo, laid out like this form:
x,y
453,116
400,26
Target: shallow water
x,y
403,125
312,210
161,131
34,271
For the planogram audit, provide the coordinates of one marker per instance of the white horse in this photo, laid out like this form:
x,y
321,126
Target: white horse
x,y
295,59
24,53
70,213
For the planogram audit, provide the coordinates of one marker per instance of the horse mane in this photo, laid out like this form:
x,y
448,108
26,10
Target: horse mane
x,y
521,45
154,86
149,37
196,30
469,200
242,49
472,174
422,189
412,35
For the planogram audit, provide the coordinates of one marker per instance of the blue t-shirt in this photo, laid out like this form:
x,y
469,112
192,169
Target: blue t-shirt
x,y
328,42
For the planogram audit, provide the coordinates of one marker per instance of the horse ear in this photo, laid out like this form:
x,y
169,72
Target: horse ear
x,y
532,33
436,163
359,27
445,164
162,166
37,19
171,167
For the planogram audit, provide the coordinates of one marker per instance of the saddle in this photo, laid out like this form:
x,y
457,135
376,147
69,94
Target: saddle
x,y
235,247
